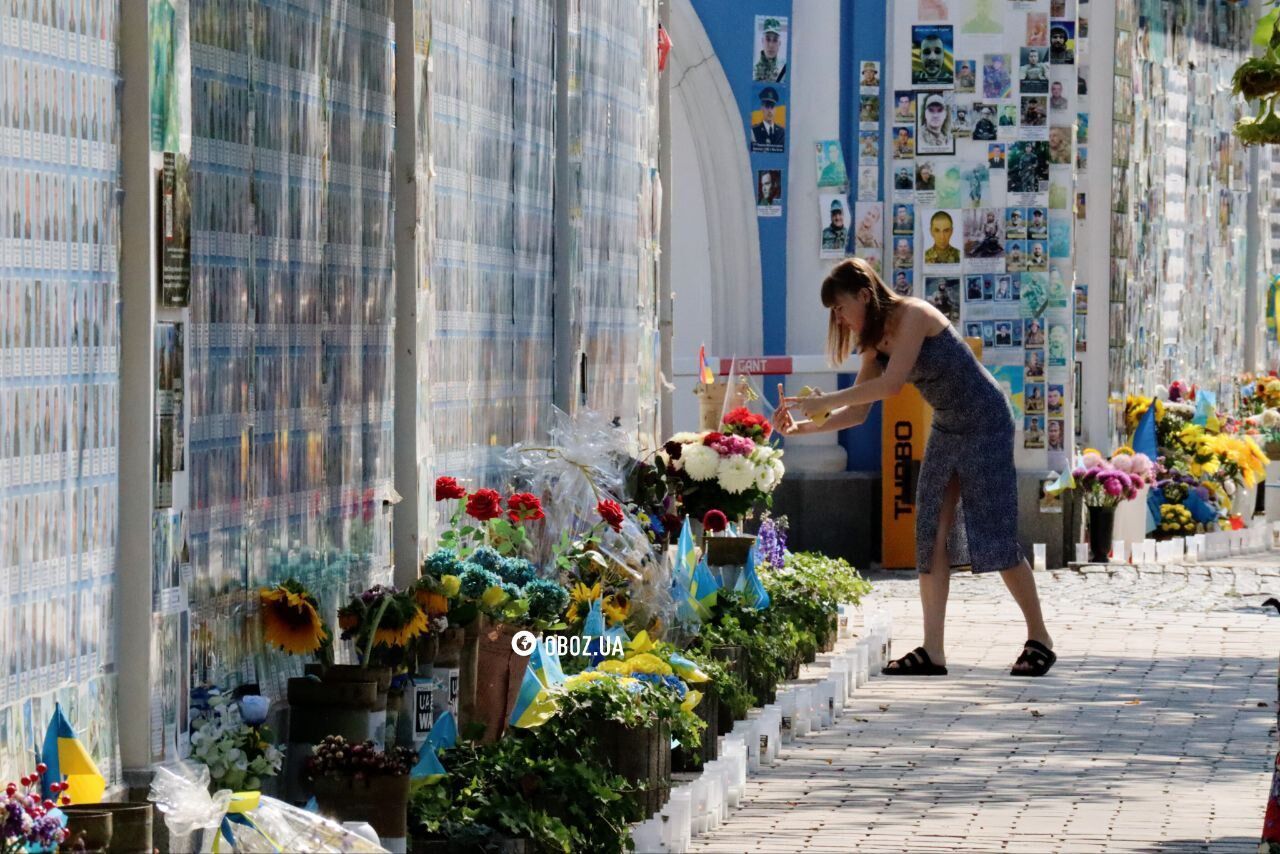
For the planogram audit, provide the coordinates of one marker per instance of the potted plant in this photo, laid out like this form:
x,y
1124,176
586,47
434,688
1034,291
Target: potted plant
x,y
357,781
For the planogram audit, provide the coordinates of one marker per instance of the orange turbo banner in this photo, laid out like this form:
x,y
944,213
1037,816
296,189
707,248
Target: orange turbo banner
x,y
904,432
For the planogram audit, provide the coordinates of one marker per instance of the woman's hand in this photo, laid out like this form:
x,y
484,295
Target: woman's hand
x,y
786,425
811,404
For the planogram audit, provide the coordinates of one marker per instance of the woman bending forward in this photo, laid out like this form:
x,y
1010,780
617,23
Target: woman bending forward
x,y
968,460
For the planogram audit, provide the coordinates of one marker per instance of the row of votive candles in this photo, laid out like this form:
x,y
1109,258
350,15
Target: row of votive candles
x,y
1194,549
702,805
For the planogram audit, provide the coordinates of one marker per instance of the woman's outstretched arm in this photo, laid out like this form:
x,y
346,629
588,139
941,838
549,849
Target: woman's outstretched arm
x,y
908,339
841,418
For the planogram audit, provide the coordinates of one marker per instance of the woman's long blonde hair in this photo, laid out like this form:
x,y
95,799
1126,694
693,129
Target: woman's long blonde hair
x,y
849,277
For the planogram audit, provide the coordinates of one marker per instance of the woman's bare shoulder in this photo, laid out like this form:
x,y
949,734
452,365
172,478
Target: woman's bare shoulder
x,y
920,314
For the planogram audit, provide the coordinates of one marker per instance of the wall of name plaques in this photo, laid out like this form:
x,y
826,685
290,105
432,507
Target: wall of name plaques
x,y
59,376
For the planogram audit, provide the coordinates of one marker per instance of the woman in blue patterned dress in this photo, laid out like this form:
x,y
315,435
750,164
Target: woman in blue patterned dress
x,y
968,461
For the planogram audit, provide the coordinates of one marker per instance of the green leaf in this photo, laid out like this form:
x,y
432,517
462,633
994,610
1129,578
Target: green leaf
x,y
1262,34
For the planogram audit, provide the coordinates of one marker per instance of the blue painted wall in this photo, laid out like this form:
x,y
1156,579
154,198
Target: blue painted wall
x,y
730,26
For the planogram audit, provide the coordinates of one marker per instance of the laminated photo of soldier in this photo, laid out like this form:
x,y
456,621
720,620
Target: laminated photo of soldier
x,y
904,254
769,192
1033,74
768,125
1062,43
932,55
903,178
835,236
983,233
1035,112
924,176
985,128
904,219
869,109
942,227
904,106
1057,99
1028,167
870,78
996,82
933,126
966,76
830,161
962,121
771,50
904,143
902,283
943,292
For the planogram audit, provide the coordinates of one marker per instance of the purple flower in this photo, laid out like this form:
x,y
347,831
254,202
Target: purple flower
x,y
1112,487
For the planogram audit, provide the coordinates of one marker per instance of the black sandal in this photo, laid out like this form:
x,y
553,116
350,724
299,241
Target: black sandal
x,y
914,663
1038,656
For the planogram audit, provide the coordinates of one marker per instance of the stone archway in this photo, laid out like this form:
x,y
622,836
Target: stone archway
x,y
708,128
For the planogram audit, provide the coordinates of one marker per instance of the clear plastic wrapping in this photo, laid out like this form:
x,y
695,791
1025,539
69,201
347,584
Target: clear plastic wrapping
x,y
181,792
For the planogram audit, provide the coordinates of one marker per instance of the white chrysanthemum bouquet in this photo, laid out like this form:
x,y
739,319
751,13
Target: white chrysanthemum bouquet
x,y
730,471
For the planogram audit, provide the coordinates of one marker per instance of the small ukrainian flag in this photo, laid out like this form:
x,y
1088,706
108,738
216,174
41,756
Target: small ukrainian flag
x,y
66,758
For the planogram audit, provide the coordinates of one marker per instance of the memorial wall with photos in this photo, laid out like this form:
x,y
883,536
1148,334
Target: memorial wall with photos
x,y
1180,195
984,106
59,376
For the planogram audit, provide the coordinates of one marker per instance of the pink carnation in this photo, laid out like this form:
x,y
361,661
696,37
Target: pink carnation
x,y
733,446
1112,487
1122,462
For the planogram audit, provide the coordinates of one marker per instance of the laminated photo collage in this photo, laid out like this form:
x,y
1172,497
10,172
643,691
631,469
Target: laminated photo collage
x,y
982,134
1177,305
278,252
868,218
767,118
59,376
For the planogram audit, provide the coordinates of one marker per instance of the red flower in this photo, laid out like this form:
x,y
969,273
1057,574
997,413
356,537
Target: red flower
x,y
745,423
715,521
712,438
448,487
611,512
484,504
524,507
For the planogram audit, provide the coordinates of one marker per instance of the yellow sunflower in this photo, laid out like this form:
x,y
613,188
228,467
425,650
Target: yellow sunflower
x,y
616,607
290,620
414,626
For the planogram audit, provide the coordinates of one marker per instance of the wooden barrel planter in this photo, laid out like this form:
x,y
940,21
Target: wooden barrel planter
x,y
381,800
793,668
708,710
643,757
499,674
736,663
130,825
347,701
90,828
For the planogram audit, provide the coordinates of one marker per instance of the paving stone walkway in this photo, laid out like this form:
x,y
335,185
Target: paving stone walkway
x,y
1155,731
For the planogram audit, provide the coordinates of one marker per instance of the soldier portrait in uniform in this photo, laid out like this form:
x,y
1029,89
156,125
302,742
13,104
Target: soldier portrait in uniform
x,y
768,127
835,235
932,55
1034,73
933,126
941,229
771,49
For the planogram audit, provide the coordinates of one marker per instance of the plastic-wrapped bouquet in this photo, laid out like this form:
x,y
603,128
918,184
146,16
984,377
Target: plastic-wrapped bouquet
x,y
721,471
232,741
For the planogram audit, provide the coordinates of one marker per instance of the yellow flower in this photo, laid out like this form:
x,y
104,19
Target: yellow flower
x,y
640,643
416,625
290,620
583,593
691,700
450,585
647,662
617,607
614,665
494,597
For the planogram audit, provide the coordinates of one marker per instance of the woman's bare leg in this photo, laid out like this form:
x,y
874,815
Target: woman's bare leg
x,y
1022,584
935,585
